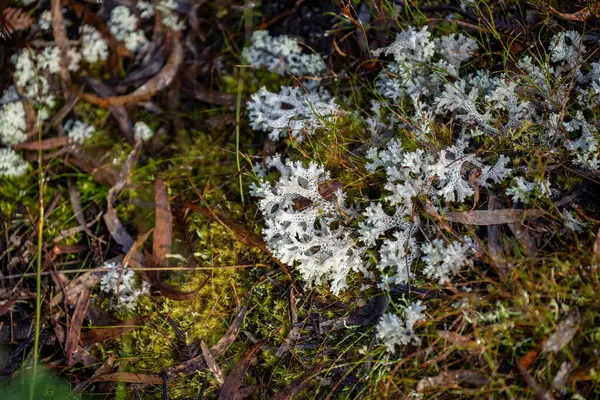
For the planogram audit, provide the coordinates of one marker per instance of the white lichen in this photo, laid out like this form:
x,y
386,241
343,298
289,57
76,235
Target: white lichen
x,y
141,131
394,331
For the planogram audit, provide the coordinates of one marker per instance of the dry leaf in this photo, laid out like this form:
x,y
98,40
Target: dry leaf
x,y
565,331
212,365
83,282
289,391
452,379
493,217
46,144
103,174
118,112
99,334
328,189
72,340
161,245
198,362
157,83
529,358
540,392
69,248
130,377
163,228
111,219
236,376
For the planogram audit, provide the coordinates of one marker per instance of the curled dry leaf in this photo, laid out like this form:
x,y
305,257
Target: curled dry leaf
x,y
328,189
156,84
565,331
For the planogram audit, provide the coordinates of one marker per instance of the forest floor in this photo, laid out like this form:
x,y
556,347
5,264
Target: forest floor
x,y
136,264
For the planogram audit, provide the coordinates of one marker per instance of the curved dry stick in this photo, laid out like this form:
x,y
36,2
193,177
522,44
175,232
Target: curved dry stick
x,y
157,83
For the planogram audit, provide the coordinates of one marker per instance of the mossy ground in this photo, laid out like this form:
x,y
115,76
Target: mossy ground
x,y
478,322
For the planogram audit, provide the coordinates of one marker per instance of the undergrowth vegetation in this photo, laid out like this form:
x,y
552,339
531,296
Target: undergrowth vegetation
x,y
300,200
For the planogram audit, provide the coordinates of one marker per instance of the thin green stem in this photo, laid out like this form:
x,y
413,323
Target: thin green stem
x,y
38,275
238,113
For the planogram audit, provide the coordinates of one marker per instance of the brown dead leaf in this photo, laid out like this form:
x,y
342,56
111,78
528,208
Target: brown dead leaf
x,y
104,174
111,219
236,376
72,340
85,281
76,204
99,334
291,390
596,248
245,392
452,379
198,362
69,248
6,306
161,245
328,189
130,377
46,144
540,392
135,251
495,245
212,365
461,341
194,89
565,331
154,85
102,370
119,112
16,294
163,227
529,358
493,217
232,333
